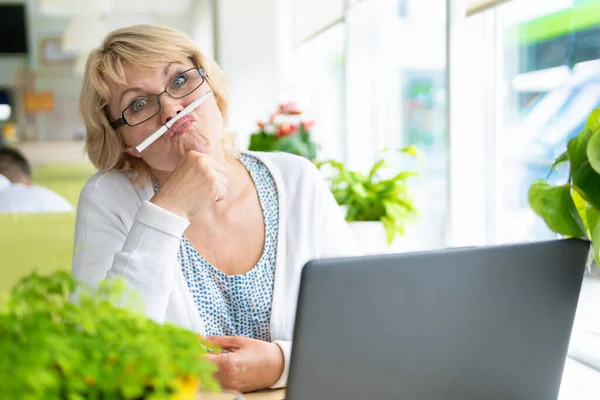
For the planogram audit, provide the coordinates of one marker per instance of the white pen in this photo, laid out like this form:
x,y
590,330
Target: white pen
x,y
161,131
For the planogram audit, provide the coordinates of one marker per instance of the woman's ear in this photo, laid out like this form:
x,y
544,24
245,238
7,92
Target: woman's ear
x,y
129,149
132,151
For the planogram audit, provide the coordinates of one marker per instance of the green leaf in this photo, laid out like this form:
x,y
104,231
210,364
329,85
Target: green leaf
x,y
564,157
395,212
555,205
90,348
261,142
390,230
359,189
367,198
593,151
587,182
577,149
295,145
376,167
593,218
408,205
402,176
582,207
410,150
593,121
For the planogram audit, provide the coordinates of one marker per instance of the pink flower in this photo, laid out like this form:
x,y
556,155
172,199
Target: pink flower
x,y
272,118
286,130
289,108
308,125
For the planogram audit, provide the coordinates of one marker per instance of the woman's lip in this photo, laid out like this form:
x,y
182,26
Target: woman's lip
x,y
183,128
177,126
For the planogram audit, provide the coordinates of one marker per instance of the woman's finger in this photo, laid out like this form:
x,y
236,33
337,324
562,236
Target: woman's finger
x,y
215,164
226,342
216,358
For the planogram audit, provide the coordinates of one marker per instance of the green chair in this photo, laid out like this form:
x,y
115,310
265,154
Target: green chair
x,y
34,242
41,242
64,179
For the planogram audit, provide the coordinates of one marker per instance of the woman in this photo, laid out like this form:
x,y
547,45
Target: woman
x,y
214,242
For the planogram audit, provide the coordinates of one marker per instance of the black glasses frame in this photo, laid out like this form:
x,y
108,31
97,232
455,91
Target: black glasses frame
x,y
117,123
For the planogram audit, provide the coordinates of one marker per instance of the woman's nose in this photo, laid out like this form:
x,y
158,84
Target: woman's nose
x,y
169,108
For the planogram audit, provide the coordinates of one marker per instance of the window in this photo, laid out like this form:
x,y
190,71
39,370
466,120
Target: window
x,y
549,70
524,77
517,81
318,85
369,88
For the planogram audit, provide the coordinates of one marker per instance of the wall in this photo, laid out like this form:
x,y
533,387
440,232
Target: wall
x,y
9,68
10,65
201,26
252,54
471,83
64,122
253,49
377,57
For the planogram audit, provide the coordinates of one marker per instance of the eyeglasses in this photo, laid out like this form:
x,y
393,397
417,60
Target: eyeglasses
x,y
146,107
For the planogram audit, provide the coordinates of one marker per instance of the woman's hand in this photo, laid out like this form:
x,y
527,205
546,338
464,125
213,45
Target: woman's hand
x,y
198,182
250,364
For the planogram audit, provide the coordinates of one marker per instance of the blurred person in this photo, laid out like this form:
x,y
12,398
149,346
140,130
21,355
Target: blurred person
x,y
214,240
18,194
4,182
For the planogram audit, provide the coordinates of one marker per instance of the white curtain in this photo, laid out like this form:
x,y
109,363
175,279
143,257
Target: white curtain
x,y
477,6
95,7
313,16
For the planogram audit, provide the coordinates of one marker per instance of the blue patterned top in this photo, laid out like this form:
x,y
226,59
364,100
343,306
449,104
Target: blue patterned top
x,y
237,305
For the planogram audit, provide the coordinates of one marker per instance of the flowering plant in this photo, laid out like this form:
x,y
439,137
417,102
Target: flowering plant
x,y
285,131
62,339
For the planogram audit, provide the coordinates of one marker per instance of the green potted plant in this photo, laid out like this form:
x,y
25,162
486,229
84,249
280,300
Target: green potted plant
x,y
90,348
377,209
285,131
572,209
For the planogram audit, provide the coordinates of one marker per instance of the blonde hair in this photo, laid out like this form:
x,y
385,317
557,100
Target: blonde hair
x,y
148,47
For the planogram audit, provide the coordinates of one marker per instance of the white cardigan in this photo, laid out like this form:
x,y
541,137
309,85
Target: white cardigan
x,y
119,232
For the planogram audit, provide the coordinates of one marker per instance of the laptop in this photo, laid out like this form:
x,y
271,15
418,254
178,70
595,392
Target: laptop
x,y
472,323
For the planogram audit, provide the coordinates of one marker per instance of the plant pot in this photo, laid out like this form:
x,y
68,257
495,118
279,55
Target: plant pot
x,y
371,237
